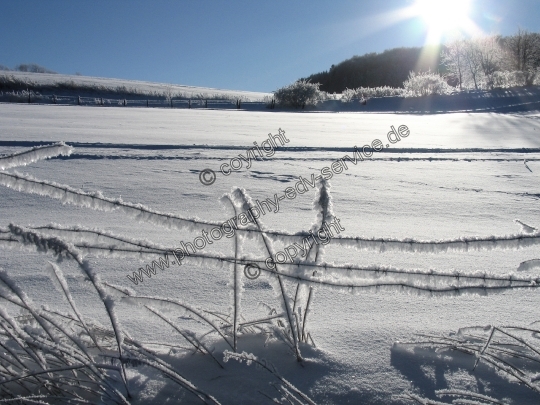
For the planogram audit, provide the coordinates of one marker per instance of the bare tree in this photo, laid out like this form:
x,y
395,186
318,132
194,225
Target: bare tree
x,y
524,51
169,94
453,59
490,56
476,61
472,61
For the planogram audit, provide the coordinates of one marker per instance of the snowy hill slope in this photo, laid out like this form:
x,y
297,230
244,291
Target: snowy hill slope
x,y
82,85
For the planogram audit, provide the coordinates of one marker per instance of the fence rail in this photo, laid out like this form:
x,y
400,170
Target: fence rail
x,y
494,101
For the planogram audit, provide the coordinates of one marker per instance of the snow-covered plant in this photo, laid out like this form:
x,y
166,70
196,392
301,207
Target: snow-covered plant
x,y
424,84
512,351
298,94
364,93
458,397
506,79
347,95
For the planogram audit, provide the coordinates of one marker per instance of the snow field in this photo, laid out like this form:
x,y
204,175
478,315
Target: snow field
x,y
472,193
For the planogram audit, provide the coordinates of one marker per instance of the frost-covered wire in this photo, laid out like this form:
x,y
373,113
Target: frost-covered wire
x,y
382,277
33,155
96,200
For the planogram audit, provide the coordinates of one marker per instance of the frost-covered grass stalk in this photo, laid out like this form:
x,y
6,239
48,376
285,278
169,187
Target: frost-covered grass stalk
x,y
66,351
249,358
236,283
513,351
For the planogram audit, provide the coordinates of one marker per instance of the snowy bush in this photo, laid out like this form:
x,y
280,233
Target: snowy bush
x,y
507,79
347,95
298,94
425,84
364,93
325,96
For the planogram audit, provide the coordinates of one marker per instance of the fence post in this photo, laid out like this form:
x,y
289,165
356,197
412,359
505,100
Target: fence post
x,y
189,103
125,102
78,100
171,103
28,97
101,100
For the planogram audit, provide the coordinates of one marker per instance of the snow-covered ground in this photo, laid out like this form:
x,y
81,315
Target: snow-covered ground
x,y
455,176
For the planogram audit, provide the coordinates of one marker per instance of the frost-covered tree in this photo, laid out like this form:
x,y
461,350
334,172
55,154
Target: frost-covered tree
x,y
473,63
453,59
491,57
524,53
32,67
298,94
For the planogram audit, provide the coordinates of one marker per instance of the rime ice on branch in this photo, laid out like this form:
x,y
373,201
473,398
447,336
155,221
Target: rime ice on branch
x,y
35,154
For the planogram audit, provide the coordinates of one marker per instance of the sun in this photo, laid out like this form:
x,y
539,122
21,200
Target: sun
x,y
443,18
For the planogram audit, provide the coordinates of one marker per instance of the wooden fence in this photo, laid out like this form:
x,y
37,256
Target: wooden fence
x,y
506,100
33,98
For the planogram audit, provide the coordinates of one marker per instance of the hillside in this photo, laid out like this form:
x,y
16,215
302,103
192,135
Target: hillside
x,y
389,68
59,84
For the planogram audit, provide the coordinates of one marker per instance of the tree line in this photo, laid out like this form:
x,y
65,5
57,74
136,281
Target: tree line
x,y
27,67
493,61
479,63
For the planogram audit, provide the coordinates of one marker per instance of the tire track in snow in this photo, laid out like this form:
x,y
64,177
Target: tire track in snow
x,y
477,190
98,145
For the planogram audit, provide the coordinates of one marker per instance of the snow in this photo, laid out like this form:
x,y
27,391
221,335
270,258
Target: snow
x,y
50,79
454,196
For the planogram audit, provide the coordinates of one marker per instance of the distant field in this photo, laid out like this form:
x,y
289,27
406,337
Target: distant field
x,y
87,85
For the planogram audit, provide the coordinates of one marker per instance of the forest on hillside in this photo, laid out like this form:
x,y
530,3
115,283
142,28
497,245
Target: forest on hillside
x,y
454,61
389,68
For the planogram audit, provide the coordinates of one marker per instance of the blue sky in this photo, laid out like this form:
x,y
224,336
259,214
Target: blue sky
x,y
241,45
